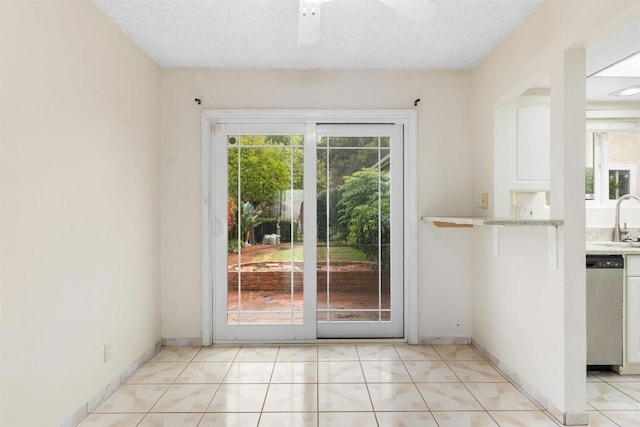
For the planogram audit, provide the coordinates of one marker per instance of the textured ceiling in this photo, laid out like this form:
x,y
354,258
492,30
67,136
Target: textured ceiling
x,y
354,34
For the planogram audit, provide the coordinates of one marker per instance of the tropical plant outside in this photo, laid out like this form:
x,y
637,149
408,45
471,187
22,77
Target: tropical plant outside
x,y
357,201
364,209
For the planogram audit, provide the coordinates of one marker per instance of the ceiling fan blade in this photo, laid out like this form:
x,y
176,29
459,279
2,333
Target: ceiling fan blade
x,y
419,11
309,22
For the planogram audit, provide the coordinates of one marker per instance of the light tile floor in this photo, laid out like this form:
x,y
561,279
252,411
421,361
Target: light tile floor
x,y
614,399
341,385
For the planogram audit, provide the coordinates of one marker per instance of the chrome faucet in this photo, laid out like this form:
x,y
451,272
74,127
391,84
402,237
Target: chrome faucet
x,y
617,232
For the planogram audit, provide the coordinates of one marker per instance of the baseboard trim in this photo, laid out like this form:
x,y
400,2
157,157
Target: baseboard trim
x,y
197,341
445,340
193,341
568,419
577,419
629,369
108,390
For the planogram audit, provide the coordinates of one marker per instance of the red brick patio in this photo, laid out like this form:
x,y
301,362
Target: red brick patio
x,y
266,289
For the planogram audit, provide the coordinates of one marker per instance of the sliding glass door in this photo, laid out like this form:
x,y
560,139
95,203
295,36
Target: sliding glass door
x,y
311,216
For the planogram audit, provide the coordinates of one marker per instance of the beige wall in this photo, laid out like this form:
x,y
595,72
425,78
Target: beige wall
x,y
84,179
443,177
527,315
80,207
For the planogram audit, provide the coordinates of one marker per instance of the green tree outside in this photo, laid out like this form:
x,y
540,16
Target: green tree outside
x,y
365,208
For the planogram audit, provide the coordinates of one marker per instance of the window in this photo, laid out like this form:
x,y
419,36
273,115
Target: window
x,y
611,163
619,183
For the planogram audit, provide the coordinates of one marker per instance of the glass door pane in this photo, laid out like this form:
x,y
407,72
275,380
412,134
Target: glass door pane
x,y
265,260
259,261
355,174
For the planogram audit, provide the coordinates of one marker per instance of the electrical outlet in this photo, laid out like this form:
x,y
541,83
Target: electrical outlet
x,y
458,325
485,200
107,353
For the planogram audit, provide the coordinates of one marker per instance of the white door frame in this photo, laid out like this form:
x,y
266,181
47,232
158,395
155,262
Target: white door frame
x,y
212,227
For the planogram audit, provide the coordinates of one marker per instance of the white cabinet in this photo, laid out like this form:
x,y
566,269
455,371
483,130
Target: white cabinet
x,y
632,315
632,322
531,163
522,159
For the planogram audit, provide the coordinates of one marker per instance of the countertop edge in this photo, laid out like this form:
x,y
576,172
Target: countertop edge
x,y
493,221
595,249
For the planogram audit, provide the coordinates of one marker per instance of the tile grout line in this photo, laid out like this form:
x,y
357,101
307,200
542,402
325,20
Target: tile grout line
x,y
121,382
174,381
217,388
611,384
416,386
487,411
524,393
601,411
464,385
622,391
192,362
221,381
266,394
366,384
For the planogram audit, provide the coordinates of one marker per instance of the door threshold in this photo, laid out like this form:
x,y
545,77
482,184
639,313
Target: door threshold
x,y
317,341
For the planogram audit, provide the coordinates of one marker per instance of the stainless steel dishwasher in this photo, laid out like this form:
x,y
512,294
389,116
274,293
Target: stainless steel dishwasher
x,y
605,283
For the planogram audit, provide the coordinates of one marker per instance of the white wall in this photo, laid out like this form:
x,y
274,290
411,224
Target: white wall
x,y
79,210
604,216
528,316
444,185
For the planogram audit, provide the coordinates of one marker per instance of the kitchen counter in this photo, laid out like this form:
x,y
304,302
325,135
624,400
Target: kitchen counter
x,y
550,225
444,221
613,248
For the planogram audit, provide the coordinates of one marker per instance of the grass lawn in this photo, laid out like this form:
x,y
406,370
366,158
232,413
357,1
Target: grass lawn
x,y
339,253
